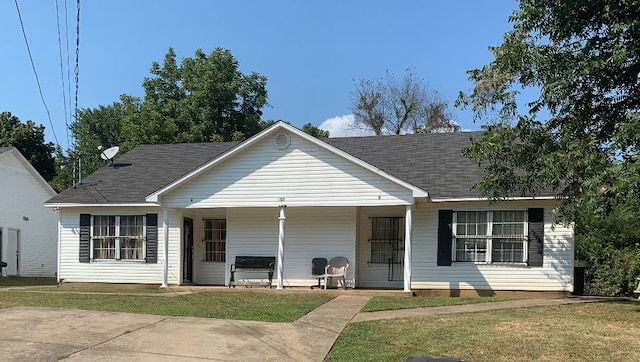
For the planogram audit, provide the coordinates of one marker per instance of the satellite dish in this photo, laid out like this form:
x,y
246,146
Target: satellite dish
x,y
109,153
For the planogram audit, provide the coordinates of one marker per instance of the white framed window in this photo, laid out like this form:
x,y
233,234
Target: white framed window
x,y
118,237
490,236
215,240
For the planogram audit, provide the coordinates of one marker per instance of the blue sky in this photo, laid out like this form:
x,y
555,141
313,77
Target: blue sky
x,y
310,51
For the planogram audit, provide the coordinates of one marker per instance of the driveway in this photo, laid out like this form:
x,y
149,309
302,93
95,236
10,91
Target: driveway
x,y
48,334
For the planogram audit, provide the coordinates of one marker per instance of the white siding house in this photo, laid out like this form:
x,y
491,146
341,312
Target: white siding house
x,y
28,230
399,208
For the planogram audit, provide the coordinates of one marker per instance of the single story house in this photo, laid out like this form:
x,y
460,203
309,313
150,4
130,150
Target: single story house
x,y
399,208
28,230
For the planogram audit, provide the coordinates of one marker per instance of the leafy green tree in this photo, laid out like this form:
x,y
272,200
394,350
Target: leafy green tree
x,y
315,131
580,135
393,106
103,127
29,140
205,98
308,128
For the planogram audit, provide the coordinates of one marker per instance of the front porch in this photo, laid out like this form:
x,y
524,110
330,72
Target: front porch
x,y
210,239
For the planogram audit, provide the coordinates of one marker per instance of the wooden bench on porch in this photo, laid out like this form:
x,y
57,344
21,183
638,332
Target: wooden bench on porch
x,y
255,267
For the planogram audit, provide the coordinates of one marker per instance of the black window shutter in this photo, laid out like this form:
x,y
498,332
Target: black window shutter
x,y
152,238
85,238
536,236
445,234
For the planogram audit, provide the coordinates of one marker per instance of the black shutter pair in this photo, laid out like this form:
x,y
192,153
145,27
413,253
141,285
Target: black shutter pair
x,y
535,237
152,238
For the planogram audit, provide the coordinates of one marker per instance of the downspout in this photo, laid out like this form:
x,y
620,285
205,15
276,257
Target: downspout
x,y
165,247
407,249
282,220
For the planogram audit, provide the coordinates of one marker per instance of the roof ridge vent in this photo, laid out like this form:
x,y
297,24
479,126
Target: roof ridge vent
x,y
282,141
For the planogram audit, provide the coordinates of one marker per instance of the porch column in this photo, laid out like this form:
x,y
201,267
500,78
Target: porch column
x,y
282,219
165,247
407,249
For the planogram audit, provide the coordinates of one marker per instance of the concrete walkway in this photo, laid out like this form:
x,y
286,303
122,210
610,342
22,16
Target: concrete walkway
x,y
470,308
49,334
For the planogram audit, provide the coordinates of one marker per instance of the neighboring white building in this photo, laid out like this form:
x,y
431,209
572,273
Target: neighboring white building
x,y
28,230
399,208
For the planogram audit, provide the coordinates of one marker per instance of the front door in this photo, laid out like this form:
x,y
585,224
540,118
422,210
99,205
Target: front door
x,y
187,252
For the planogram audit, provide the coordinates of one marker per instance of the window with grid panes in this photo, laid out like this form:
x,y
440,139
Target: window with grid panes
x,y
118,237
215,240
490,236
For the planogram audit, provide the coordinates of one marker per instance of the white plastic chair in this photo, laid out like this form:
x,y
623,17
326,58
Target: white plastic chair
x,y
337,268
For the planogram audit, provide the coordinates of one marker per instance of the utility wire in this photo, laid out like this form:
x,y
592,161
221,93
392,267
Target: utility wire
x,y
33,66
77,159
77,70
64,94
66,27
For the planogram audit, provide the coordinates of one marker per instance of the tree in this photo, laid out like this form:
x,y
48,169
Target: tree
x,y
308,128
580,135
315,131
29,140
205,98
103,127
392,106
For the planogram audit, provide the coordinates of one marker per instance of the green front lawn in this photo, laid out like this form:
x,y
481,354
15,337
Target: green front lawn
x,y
242,305
579,332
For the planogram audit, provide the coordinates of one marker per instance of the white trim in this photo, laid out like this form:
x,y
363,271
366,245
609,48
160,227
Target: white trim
x,y
462,199
407,248
155,197
282,220
165,247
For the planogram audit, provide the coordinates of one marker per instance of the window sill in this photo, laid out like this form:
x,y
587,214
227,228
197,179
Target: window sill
x,y
118,261
519,265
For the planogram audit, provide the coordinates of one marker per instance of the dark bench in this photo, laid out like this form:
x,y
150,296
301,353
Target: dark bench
x,y
255,265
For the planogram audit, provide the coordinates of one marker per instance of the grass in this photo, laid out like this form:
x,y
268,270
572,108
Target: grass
x,y
240,305
25,282
393,303
578,332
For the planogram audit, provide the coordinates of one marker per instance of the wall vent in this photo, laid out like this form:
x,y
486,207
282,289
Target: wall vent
x,y
283,140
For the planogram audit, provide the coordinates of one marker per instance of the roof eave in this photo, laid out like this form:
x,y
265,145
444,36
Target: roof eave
x,y
462,199
69,205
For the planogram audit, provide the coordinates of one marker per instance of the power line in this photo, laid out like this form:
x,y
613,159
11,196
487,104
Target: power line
x,y
64,94
77,70
33,66
77,159
66,27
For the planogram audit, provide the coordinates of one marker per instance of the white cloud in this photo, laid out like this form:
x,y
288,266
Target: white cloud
x,y
343,126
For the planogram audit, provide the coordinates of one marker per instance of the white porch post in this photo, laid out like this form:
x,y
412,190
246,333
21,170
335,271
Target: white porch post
x,y
165,247
282,219
407,249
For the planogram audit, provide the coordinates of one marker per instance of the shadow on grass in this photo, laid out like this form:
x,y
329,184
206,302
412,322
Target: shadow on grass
x,y
25,282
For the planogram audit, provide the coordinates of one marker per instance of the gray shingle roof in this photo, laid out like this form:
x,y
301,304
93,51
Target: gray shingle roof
x,y
4,149
431,162
140,172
